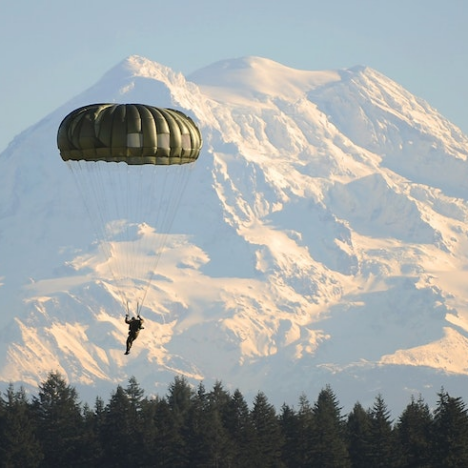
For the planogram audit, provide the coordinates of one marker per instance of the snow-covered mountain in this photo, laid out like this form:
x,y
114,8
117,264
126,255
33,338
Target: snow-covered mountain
x,y
322,239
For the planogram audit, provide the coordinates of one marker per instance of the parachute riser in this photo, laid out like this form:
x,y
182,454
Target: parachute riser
x,y
138,309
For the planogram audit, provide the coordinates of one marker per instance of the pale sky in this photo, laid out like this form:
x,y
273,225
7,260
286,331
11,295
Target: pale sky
x,y
52,50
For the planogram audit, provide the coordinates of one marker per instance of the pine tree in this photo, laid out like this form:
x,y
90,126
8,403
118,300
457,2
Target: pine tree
x,y
59,421
168,443
450,432
98,421
205,435
239,425
382,440
328,440
19,445
268,438
289,423
135,395
414,434
221,445
305,417
91,453
149,432
194,428
180,399
358,435
99,414
117,435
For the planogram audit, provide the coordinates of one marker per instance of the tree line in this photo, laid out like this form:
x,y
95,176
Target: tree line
x,y
194,427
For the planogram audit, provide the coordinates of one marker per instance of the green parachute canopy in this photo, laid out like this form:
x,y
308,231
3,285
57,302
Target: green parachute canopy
x,y
131,133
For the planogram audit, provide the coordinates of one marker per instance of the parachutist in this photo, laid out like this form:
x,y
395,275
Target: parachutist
x,y
134,327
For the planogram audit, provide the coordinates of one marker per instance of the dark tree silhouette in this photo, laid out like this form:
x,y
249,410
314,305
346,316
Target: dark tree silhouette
x,y
450,432
414,434
198,428
382,447
18,443
59,421
358,433
328,437
239,425
268,440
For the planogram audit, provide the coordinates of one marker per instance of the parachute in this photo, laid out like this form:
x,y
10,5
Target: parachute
x,y
131,163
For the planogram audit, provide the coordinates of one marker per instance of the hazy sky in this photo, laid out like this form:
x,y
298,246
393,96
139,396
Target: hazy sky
x,y
52,50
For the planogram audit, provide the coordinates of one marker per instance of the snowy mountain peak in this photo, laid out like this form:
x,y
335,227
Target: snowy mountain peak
x,y
256,76
138,66
322,239
139,80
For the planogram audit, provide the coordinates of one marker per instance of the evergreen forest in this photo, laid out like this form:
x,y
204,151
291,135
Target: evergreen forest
x,y
195,427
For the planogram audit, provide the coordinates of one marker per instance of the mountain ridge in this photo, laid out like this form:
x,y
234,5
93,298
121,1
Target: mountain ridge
x,y
333,222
